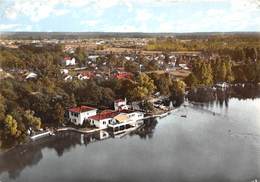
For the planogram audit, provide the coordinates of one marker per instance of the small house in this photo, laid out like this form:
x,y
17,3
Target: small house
x,y
102,120
120,104
113,118
69,61
78,115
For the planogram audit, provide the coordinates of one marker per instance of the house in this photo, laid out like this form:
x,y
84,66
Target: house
x,y
78,115
64,71
113,118
85,75
69,61
101,42
102,120
93,58
183,66
120,104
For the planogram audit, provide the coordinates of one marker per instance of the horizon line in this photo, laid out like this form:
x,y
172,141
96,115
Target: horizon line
x,y
129,32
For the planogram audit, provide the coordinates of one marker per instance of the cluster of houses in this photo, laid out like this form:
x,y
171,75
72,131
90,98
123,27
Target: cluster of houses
x,y
122,117
99,60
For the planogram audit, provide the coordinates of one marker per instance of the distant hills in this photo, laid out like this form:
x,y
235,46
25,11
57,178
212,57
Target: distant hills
x,y
100,35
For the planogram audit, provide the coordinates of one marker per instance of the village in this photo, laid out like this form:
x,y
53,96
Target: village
x,y
91,58
113,84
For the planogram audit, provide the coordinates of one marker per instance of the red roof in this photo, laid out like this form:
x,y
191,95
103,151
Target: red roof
x,y
81,109
124,75
87,73
105,115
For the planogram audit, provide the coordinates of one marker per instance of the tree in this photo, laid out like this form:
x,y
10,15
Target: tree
x,y
139,93
131,67
145,81
147,106
108,97
179,86
32,120
206,74
58,113
191,80
2,108
178,91
229,72
222,72
143,88
163,82
11,126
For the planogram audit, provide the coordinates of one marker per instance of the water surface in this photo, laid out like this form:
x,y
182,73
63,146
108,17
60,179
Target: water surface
x,y
219,141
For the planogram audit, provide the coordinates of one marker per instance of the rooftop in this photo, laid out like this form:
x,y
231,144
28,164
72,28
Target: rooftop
x,y
81,109
105,115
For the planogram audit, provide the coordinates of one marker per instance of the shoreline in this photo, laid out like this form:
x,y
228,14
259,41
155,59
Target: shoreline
x,y
71,129
89,131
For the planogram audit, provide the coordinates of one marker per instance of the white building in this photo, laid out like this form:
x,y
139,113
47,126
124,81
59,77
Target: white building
x,y
121,104
114,118
80,114
102,119
69,62
93,58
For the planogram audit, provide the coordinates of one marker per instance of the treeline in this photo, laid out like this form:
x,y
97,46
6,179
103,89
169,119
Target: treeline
x,y
235,47
223,70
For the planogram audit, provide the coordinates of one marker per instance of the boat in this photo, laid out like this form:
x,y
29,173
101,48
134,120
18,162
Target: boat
x,y
184,116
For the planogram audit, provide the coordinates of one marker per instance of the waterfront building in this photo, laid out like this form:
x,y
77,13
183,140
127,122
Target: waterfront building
x,y
78,115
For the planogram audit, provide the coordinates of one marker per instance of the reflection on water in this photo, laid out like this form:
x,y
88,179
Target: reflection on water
x,y
221,97
30,154
147,130
217,141
209,96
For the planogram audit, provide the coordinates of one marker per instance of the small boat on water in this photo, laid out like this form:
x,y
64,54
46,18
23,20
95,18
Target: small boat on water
x,y
184,116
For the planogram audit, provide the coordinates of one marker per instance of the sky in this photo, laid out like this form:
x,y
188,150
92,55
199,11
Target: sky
x,y
130,15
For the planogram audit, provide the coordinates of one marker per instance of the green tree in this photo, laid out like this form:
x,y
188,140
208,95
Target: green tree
x,y
143,88
145,81
178,91
222,72
229,72
206,74
11,126
32,120
2,108
163,82
191,80
58,113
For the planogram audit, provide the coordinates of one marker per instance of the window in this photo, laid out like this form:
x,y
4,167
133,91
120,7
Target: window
x,y
104,122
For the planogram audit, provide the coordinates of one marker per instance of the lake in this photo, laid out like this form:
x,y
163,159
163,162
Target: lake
x,y
218,141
